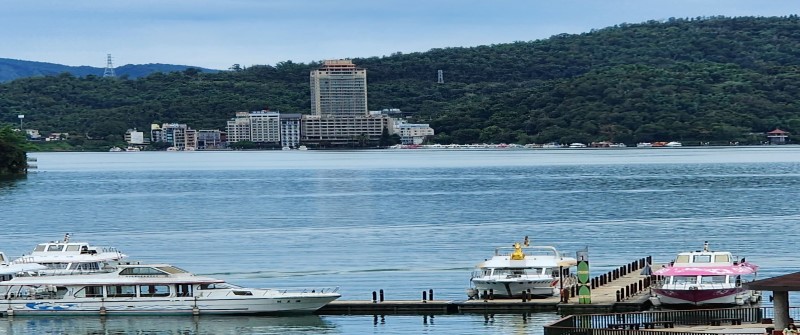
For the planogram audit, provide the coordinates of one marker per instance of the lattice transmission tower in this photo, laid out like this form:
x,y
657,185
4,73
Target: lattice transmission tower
x,y
109,72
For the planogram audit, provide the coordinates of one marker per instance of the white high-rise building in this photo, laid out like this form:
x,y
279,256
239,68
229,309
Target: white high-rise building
x,y
339,89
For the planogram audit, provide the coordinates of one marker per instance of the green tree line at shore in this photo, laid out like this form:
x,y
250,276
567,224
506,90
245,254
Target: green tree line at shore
x,y
710,79
13,157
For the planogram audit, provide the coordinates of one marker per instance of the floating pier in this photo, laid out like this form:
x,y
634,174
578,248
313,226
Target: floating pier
x,y
623,289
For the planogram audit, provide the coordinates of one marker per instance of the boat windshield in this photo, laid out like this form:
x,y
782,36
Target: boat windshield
x,y
713,279
684,280
702,259
518,271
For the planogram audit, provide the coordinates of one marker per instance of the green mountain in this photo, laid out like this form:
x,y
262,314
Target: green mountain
x,y
695,80
11,69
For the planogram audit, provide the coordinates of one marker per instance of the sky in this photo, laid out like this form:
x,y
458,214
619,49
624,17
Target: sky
x,y
219,33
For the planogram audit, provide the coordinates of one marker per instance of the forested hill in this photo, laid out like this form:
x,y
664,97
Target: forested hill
x,y
705,79
11,69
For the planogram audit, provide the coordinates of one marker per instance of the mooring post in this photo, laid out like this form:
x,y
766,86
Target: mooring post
x,y
374,297
381,294
424,296
430,294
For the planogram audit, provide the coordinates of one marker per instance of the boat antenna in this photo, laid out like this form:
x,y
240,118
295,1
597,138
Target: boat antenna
x,y
66,238
705,246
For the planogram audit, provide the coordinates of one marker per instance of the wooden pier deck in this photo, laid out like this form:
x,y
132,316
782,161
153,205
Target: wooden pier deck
x,y
622,289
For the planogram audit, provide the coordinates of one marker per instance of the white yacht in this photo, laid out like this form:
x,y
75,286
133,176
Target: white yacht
x,y
538,271
673,144
148,289
66,257
9,270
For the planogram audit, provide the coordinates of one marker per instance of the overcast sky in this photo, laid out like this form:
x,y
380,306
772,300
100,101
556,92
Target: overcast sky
x,y
218,33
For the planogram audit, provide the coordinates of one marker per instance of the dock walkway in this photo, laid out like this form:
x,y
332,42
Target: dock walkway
x,y
622,289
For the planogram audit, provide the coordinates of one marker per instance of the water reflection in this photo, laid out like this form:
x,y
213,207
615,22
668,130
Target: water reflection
x,y
167,325
8,183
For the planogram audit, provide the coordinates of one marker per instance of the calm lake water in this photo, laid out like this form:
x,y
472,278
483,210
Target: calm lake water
x,y
399,220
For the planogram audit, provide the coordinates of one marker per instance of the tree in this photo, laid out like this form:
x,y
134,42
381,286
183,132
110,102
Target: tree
x,y
386,139
13,157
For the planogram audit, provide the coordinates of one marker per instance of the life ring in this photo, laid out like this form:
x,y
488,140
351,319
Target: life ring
x,y
554,283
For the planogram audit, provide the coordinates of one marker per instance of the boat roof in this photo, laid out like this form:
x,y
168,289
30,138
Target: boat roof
x,y
70,252
124,274
541,256
732,270
707,262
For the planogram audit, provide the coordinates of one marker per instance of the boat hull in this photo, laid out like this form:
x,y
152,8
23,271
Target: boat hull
x,y
724,296
304,303
514,288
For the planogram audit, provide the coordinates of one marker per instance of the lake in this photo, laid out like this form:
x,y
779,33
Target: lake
x,y
399,220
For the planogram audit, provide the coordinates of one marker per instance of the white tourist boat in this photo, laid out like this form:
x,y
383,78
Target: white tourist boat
x,y
705,277
67,257
148,289
539,271
673,144
9,270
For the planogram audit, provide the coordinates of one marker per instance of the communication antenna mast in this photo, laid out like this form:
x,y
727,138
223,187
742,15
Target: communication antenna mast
x,y
441,77
109,72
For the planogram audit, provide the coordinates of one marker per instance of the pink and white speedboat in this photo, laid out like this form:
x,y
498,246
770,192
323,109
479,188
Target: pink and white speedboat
x,y
706,277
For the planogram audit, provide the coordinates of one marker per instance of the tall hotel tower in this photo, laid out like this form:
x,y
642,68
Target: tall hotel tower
x,y
339,89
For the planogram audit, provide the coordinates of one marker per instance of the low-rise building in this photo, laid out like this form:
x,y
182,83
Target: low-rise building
x,y
238,128
343,130
413,133
178,135
210,139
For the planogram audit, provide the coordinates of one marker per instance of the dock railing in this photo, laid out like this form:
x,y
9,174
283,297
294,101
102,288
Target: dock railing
x,y
599,324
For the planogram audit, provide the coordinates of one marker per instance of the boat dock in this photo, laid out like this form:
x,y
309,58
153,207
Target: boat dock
x,y
621,289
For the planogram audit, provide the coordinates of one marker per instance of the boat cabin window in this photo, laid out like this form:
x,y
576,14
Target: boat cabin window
x,y
682,259
40,247
171,269
141,272
55,266
712,279
91,266
684,280
116,291
153,291
702,259
213,286
90,292
722,259
2,258
73,247
55,247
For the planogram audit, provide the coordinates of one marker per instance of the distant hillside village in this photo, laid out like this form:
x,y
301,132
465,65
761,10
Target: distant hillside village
x,y
339,118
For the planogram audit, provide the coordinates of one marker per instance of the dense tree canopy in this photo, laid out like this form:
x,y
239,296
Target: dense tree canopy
x,y
13,158
704,80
